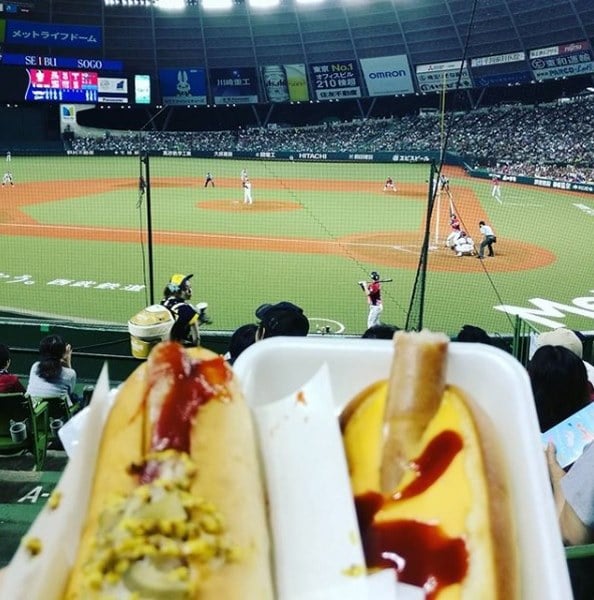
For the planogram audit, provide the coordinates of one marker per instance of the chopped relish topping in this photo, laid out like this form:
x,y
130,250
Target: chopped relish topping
x,y
150,542
54,500
33,546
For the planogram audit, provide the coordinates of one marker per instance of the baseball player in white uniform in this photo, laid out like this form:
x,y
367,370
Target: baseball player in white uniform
x,y
7,179
464,245
247,192
496,190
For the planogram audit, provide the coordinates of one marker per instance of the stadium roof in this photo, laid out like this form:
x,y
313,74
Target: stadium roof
x,y
426,31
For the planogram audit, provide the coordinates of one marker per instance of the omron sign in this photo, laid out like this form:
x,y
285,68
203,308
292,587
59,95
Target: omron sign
x,y
387,75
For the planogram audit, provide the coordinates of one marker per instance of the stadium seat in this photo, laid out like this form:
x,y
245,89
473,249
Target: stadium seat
x,y
17,409
59,411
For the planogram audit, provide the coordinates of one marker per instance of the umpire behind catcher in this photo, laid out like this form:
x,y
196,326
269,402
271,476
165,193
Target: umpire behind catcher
x,y
187,317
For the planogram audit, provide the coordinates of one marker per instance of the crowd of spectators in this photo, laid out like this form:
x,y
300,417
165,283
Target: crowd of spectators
x,y
552,140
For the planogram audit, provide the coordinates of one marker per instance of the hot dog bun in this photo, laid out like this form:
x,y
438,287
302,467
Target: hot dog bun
x,y
448,518
176,512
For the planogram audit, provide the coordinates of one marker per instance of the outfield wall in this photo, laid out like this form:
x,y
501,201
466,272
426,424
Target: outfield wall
x,y
542,182
400,155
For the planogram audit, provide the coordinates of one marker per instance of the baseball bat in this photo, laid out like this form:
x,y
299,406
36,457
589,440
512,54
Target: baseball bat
x,y
378,281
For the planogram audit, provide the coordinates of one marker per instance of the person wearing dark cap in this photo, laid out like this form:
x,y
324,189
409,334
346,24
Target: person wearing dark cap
x,y
243,337
176,295
489,238
383,331
8,382
283,318
474,334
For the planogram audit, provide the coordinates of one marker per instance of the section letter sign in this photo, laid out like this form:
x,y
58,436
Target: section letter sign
x,y
566,60
285,83
30,33
501,69
183,86
387,75
234,86
336,80
439,76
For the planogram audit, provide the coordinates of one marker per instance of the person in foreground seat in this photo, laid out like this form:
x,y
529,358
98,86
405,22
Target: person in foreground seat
x,y
8,381
52,374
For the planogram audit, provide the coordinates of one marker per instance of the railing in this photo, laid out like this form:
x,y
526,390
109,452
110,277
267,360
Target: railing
x,y
522,339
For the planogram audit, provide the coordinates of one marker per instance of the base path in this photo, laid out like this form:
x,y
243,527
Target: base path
x,y
394,249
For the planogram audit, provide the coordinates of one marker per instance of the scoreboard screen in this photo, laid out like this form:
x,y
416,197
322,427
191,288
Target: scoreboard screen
x,y
62,86
40,85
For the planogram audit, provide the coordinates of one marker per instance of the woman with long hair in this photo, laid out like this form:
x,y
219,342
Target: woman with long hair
x,y
52,374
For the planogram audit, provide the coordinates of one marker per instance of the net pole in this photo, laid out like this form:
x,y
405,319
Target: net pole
x,y
149,227
436,190
442,120
437,193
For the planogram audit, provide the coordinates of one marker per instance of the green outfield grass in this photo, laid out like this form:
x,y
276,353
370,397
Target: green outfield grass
x,y
97,269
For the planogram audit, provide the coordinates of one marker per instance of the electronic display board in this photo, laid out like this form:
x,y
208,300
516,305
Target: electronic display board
x,y
20,84
62,86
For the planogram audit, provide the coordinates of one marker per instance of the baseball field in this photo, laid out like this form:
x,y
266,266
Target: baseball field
x,y
74,242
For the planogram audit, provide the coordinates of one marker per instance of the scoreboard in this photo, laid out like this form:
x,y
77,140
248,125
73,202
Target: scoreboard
x,y
62,86
88,86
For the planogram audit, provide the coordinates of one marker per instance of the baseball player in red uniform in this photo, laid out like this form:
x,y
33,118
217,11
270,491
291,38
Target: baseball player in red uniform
x,y
373,290
455,234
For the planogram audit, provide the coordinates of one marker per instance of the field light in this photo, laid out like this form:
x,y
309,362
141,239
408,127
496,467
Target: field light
x,y
170,4
217,4
263,3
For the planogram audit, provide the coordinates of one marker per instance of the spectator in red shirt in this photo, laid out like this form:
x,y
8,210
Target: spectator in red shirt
x,y
8,381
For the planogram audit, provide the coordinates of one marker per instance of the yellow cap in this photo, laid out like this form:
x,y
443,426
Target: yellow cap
x,y
179,279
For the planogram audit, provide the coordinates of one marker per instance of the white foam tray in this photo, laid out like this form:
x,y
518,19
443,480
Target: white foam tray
x,y
275,368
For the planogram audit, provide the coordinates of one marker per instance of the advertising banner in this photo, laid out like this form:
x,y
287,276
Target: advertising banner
x,y
387,75
502,69
565,60
53,34
336,80
113,89
142,89
67,86
183,85
439,76
59,62
297,82
285,83
234,86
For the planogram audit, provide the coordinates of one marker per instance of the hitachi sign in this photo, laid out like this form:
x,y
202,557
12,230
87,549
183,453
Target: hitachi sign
x,y
387,74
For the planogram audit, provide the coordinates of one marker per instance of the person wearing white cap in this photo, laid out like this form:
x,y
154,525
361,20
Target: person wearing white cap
x,y
570,340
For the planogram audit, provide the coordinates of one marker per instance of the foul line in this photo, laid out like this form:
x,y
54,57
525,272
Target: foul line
x,y
176,234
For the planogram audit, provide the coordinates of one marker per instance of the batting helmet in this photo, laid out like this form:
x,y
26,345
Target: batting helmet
x,y
178,282
375,275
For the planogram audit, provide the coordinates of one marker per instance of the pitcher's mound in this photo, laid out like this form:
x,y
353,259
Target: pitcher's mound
x,y
257,206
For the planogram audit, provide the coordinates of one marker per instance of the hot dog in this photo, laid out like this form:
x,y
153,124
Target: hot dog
x,y
177,509
430,488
